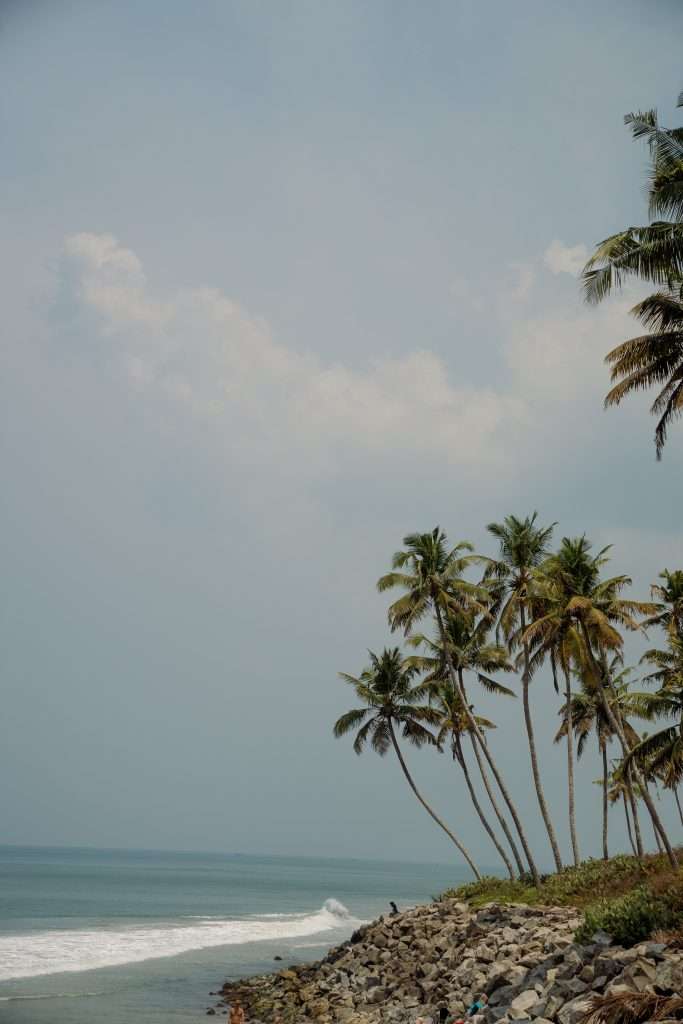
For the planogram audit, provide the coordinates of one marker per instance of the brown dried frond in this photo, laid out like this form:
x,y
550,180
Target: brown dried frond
x,y
672,940
632,1008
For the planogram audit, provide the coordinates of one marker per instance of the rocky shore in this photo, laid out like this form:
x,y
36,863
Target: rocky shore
x,y
444,954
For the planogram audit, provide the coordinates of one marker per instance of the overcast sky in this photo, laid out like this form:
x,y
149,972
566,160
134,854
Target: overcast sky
x,y
281,282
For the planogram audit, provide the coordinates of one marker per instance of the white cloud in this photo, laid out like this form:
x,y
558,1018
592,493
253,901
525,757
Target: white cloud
x,y
202,350
565,259
110,280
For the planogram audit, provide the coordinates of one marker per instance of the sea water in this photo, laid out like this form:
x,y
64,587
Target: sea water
x,y
127,936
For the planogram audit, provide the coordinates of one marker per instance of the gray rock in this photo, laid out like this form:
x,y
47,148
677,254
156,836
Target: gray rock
x,y
523,1003
669,977
574,987
501,996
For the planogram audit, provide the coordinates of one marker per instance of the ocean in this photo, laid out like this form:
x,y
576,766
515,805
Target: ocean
x,y
116,937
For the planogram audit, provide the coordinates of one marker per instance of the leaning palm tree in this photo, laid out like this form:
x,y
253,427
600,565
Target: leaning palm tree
x,y
452,727
653,253
390,699
523,546
431,574
469,652
597,608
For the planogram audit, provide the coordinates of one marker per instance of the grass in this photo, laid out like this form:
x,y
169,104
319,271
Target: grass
x,y
628,898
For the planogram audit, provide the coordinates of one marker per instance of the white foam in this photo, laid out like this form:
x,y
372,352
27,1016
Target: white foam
x,y
54,952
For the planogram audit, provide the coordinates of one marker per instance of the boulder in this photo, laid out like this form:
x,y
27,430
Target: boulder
x,y
669,977
573,1011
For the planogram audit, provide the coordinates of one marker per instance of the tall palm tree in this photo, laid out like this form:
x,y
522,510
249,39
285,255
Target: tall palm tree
x,y
523,546
469,651
453,726
390,699
615,793
586,713
430,573
553,634
653,253
596,608
669,595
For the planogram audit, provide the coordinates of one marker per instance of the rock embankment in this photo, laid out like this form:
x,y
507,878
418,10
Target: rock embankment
x,y
523,958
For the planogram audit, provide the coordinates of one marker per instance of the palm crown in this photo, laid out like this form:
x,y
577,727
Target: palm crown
x,y
388,692
434,575
653,253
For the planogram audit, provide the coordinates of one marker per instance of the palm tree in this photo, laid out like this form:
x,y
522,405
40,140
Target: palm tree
x,y
389,697
453,726
586,712
523,546
652,253
654,359
434,582
617,791
669,595
596,608
552,633
469,651
662,752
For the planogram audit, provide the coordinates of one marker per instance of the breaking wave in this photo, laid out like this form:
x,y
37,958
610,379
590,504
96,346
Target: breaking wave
x,y
54,952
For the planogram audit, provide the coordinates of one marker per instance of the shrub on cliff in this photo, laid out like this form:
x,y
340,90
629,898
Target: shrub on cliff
x,y
628,919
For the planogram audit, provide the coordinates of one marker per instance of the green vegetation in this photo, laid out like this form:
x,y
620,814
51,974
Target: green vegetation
x,y
629,919
530,608
653,254
628,898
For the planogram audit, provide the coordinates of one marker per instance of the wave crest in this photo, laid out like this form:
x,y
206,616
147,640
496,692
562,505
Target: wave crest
x,y
59,951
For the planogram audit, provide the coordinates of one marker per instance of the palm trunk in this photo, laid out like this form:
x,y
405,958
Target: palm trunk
x,y
656,833
616,726
678,803
628,826
457,683
494,804
605,802
426,806
526,680
570,767
460,756
633,799
634,814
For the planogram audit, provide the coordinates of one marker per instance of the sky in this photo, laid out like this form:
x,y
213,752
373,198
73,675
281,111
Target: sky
x,y
281,283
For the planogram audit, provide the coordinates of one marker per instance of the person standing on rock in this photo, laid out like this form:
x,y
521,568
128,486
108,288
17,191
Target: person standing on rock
x,y
476,1009
237,1015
